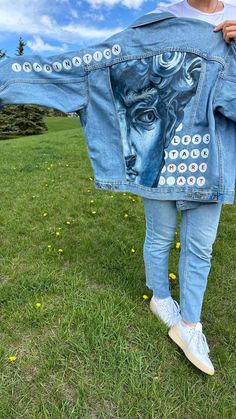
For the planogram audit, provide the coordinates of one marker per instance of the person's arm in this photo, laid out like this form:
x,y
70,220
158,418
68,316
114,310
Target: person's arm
x,y
225,90
57,81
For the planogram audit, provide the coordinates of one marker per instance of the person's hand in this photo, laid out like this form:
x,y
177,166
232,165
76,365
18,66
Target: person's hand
x,y
229,30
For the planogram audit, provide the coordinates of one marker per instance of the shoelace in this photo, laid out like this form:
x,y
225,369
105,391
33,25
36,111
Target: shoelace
x,y
170,315
200,340
175,312
176,308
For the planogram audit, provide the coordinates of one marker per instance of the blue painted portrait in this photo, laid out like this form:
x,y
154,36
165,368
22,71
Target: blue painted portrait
x,y
150,96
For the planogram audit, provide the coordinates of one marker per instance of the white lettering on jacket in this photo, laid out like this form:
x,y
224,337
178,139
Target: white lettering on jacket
x,y
201,181
176,140
87,58
68,64
178,153
57,66
97,56
171,168
162,181
170,181
27,67
16,67
191,180
37,67
186,139
76,61
47,68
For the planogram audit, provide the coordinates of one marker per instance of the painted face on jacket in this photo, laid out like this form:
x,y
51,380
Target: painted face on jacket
x,y
150,96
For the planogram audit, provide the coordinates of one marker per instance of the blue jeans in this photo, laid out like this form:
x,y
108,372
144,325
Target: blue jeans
x,y
198,231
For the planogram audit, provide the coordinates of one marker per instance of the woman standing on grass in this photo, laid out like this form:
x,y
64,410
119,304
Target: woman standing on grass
x,y
198,228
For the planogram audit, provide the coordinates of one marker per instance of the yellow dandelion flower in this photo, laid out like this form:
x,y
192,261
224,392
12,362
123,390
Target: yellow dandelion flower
x,y
92,201
90,178
68,222
133,200
145,297
124,193
60,250
133,250
46,184
49,246
12,358
67,165
177,245
88,190
38,305
58,233
172,276
112,196
49,168
126,215
45,214
94,212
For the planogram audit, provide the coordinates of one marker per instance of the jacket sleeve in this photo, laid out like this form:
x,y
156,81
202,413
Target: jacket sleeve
x,y
225,90
57,81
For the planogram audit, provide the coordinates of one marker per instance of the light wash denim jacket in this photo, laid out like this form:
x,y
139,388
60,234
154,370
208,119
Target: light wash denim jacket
x,y
157,104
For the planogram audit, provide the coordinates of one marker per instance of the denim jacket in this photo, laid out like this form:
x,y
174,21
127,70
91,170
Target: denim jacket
x,y
157,104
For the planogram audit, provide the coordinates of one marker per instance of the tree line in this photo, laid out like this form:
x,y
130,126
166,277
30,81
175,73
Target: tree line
x,y
23,119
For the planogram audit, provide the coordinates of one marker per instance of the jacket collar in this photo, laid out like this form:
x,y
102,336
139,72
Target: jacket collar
x,y
151,18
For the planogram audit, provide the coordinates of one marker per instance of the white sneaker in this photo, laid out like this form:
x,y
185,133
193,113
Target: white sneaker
x,y
166,309
193,342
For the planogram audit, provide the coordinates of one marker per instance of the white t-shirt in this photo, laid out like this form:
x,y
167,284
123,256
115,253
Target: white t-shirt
x,y
183,9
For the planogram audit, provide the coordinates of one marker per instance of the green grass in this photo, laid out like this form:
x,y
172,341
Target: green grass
x,y
93,349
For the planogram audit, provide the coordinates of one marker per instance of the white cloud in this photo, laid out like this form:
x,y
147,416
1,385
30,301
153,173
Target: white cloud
x,y
131,4
48,22
88,32
74,13
95,17
38,19
167,3
38,45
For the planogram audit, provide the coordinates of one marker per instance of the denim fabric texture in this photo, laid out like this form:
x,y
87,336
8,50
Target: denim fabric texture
x,y
157,104
198,230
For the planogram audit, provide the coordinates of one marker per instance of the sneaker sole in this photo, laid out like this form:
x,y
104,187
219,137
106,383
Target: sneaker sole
x,y
173,333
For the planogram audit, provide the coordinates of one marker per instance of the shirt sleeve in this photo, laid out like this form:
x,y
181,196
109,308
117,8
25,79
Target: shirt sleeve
x,y
58,81
225,90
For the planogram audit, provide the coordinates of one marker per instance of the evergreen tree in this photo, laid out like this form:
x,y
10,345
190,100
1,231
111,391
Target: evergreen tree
x,y
21,119
21,47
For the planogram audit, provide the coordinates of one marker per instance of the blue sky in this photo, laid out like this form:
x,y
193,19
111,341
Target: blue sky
x,y
51,27
56,26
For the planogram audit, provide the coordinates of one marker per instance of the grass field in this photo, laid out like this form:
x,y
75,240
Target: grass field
x,y
92,349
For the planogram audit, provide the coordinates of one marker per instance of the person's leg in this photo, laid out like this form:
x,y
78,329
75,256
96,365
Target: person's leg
x,y
161,220
198,231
